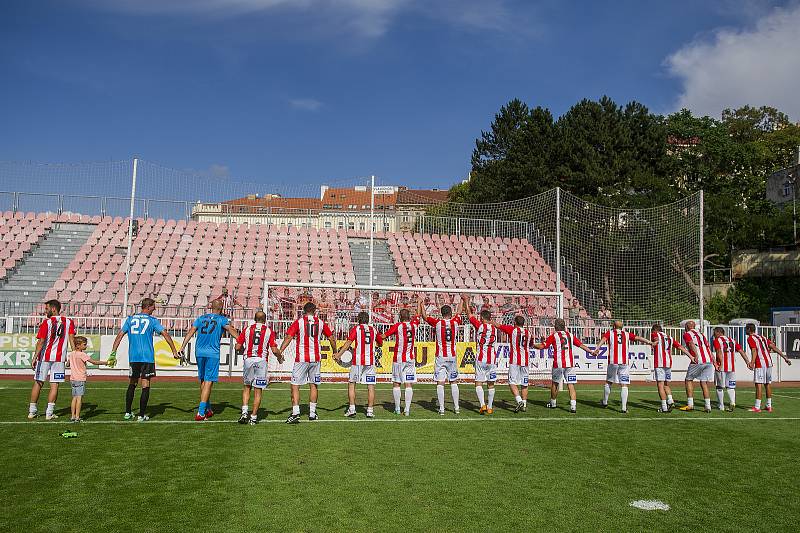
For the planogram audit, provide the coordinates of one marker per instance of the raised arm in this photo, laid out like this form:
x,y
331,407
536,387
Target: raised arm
x,y
466,306
421,309
603,342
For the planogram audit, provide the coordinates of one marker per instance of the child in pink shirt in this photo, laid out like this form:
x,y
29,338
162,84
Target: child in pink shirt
x,y
77,377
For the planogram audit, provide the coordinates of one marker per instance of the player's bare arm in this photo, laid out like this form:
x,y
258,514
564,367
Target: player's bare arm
x,y
187,338
37,352
278,355
644,340
603,342
284,344
746,359
231,331
692,352
117,340
772,346
466,306
421,309
170,343
332,340
338,353
539,345
72,341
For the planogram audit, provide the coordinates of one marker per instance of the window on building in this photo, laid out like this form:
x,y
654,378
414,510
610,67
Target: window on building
x,y
386,227
328,225
362,226
351,225
340,225
787,188
405,219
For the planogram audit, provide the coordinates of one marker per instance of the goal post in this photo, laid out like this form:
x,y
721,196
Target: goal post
x,y
339,305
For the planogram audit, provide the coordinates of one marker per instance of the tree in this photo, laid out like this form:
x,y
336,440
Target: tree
x,y
512,159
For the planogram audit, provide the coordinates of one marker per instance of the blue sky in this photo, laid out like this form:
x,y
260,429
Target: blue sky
x,y
278,91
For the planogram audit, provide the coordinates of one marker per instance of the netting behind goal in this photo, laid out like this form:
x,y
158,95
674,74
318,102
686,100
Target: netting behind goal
x,y
339,306
628,263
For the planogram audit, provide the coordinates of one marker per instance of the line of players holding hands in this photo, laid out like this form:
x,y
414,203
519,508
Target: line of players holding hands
x,y
708,361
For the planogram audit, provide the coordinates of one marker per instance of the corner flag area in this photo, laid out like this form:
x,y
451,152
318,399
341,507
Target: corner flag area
x,y
544,469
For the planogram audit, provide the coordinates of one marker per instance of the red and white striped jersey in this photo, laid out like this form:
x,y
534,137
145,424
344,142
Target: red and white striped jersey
x,y
699,340
406,333
445,332
759,348
662,351
562,342
364,338
485,340
255,339
308,329
55,332
518,343
618,345
729,347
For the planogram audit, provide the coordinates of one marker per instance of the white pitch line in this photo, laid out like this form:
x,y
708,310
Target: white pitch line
x,y
620,418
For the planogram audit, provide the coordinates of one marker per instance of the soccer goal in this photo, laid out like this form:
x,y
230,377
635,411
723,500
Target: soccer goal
x,y
339,305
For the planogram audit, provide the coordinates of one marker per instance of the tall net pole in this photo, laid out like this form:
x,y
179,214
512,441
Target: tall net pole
x,y
558,250
130,239
371,238
702,264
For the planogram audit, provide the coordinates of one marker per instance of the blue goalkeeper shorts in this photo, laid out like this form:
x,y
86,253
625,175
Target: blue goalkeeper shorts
x,y
207,368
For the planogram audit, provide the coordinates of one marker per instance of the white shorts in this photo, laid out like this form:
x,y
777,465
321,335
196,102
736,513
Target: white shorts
x,y
445,369
567,374
485,372
303,373
254,372
364,374
762,376
700,372
52,371
725,380
404,372
618,374
518,375
663,374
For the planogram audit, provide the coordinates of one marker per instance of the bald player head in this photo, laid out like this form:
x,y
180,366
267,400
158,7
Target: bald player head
x,y
260,317
690,325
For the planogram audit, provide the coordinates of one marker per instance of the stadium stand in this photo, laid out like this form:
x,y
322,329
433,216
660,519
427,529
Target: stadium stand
x,y
186,264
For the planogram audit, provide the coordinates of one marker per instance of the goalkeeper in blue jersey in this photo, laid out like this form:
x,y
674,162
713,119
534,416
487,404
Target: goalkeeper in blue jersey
x,y
140,329
209,328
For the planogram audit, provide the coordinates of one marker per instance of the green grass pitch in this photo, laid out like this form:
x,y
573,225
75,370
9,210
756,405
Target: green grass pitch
x,y
540,470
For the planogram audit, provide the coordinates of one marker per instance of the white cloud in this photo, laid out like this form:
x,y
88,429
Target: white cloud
x,y
756,66
305,104
362,18
219,171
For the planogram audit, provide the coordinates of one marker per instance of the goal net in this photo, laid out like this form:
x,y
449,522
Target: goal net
x,y
636,264
339,305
